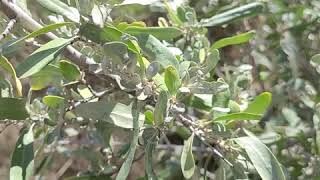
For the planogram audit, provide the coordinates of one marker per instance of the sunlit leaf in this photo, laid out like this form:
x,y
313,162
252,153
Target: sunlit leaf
x,y
5,63
238,116
187,161
260,104
49,75
237,39
52,101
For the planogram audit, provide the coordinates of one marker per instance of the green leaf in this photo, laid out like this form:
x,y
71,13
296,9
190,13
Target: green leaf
x,y
316,59
114,113
226,17
52,101
41,57
22,161
70,71
13,108
261,157
49,75
187,161
162,33
149,117
41,31
238,116
260,104
172,80
126,166
160,108
5,63
238,39
100,35
60,7
117,51
156,51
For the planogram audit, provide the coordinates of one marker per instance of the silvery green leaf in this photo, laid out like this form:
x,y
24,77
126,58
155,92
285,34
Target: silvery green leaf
x,y
203,87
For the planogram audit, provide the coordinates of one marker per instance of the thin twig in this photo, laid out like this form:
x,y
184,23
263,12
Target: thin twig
x,y
8,29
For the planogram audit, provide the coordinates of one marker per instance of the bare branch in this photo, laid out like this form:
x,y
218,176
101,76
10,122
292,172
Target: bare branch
x,y
8,29
13,11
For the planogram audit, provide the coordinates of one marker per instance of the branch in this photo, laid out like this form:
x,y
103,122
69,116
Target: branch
x,y
13,11
8,29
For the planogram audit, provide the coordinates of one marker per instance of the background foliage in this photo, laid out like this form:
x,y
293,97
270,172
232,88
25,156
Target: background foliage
x,y
198,89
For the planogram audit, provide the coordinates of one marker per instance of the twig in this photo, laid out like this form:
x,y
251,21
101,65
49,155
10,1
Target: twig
x,y
64,168
13,11
189,123
8,29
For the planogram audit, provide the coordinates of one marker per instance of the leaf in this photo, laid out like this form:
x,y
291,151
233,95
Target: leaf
x,y
117,51
150,139
237,39
149,117
204,87
41,57
160,108
162,33
261,157
98,15
126,166
172,80
187,161
114,113
52,101
238,116
70,71
13,108
141,2
100,35
41,31
260,104
316,59
226,17
5,63
60,7
156,51
211,61
22,161
49,76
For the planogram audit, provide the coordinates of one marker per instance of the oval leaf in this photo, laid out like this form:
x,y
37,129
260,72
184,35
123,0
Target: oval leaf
x,y
5,63
172,80
69,70
260,104
41,57
187,161
53,101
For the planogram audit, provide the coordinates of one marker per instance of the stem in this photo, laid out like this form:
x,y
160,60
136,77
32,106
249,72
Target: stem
x,y
13,11
8,29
